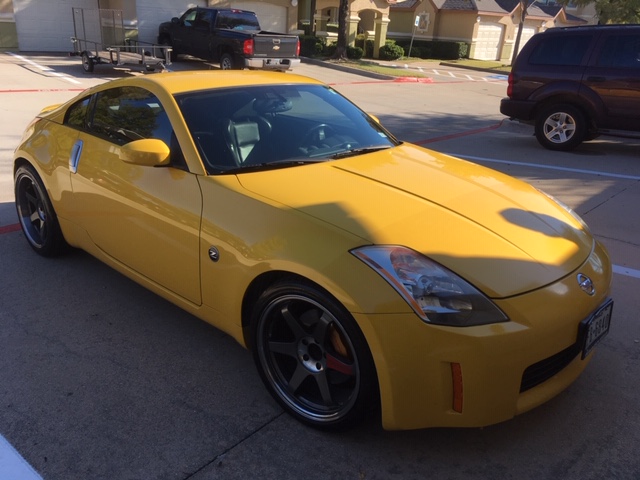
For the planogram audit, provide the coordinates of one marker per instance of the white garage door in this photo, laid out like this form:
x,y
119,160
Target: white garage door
x,y
272,18
527,33
488,41
151,13
46,26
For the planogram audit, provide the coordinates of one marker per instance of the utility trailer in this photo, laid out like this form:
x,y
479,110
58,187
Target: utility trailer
x,y
99,39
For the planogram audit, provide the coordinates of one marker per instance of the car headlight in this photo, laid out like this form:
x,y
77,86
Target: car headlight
x,y
435,293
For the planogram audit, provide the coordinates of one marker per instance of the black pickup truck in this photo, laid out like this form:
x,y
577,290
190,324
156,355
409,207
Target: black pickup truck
x,y
231,37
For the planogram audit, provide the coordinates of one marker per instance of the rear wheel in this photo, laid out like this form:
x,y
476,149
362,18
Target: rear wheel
x,y
312,356
227,62
561,127
35,212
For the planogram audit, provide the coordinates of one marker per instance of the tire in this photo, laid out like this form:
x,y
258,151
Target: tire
x,y
37,218
312,356
87,63
173,56
561,127
227,62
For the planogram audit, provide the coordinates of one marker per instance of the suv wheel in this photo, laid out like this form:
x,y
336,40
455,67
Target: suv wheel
x,y
560,127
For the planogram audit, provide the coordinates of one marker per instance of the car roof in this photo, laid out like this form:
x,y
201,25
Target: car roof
x,y
181,82
591,28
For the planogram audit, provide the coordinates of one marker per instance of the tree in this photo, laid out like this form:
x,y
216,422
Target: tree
x,y
613,11
343,30
524,4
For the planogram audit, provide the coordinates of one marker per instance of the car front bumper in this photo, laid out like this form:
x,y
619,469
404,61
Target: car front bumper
x,y
435,376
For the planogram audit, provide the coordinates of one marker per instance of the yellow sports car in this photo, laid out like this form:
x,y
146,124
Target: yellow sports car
x,y
366,275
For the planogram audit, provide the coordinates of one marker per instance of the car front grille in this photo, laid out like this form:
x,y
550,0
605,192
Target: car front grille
x,y
545,369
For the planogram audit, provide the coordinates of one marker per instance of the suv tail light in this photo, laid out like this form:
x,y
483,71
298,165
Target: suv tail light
x,y
247,48
298,49
510,86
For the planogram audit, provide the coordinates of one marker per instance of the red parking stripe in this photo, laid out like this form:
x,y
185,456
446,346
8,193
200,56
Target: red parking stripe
x,y
459,134
10,228
38,90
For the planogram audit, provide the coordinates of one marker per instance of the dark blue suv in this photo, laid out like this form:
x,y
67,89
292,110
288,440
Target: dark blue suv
x,y
575,83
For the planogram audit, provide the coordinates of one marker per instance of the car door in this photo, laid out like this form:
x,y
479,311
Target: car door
x,y
201,34
182,30
146,218
615,76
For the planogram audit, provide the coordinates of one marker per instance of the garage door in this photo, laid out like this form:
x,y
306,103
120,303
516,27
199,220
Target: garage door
x,y
47,26
151,13
272,18
488,41
527,33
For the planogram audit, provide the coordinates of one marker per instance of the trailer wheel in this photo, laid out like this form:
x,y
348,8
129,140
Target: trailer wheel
x,y
87,63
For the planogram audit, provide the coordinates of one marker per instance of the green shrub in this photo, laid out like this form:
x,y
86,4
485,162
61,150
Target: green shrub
x,y
391,51
355,53
311,46
442,50
330,49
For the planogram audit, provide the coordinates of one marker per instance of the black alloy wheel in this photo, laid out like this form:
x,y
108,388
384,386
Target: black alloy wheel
x,y
312,356
37,218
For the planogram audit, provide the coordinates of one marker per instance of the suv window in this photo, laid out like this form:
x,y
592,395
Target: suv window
x,y
566,50
621,51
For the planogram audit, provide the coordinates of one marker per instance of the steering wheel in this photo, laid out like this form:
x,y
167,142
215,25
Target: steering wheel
x,y
316,135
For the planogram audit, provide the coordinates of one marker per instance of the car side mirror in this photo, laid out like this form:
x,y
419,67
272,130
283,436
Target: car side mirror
x,y
175,20
148,152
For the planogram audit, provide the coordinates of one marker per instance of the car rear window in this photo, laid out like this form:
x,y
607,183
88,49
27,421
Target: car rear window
x,y
566,50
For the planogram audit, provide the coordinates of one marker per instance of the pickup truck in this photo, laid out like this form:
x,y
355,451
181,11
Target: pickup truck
x,y
231,37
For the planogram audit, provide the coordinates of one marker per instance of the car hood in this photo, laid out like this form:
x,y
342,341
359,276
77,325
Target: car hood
x,y
500,234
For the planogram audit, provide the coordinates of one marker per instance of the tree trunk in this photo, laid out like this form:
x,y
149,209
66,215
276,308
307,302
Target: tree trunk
x,y
343,33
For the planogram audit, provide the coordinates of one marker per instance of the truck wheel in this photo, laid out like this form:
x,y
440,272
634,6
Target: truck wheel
x,y
560,127
227,62
166,42
87,63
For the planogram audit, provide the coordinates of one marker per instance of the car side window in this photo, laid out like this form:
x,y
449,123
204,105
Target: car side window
x,y
620,51
124,114
77,114
568,50
188,18
203,20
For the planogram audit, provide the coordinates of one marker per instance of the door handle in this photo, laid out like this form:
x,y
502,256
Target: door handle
x,y
596,79
74,158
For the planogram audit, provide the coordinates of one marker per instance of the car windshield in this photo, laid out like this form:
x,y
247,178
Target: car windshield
x,y
277,126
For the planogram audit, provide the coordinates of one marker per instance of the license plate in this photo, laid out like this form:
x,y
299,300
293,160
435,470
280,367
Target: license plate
x,y
596,327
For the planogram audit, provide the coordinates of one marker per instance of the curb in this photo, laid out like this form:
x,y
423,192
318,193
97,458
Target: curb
x,y
344,68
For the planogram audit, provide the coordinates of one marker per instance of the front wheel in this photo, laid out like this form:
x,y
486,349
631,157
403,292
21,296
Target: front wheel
x,y
312,356
37,218
561,127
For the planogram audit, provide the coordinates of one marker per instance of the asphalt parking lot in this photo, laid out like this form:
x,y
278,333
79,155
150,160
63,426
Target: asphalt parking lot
x,y
101,379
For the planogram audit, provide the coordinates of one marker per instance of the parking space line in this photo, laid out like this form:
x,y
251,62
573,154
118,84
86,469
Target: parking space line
x,y
43,68
548,167
629,272
12,465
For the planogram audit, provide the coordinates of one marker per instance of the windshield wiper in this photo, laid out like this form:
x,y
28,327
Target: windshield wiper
x,y
256,167
359,151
